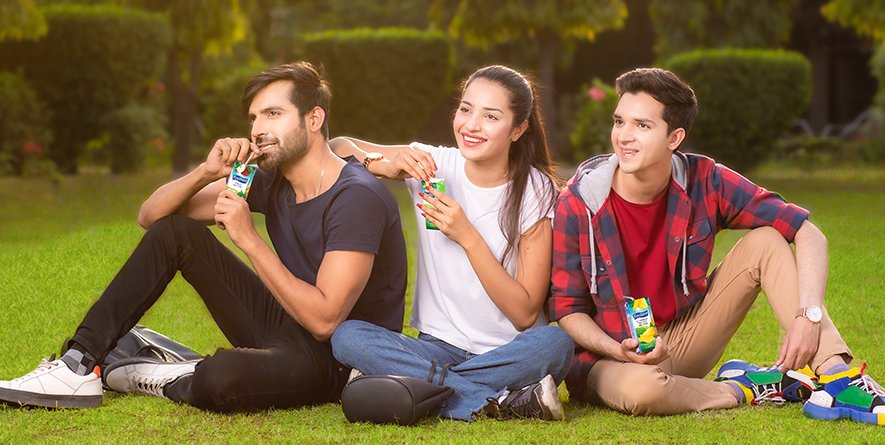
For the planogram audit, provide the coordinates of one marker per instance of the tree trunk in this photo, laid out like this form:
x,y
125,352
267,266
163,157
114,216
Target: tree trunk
x,y
548,53
183,108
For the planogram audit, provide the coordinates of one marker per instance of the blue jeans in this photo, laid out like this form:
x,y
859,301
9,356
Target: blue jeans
x,y
527,359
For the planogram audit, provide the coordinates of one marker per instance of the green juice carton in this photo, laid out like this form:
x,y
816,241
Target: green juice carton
x,y
436,184
641,323
240,179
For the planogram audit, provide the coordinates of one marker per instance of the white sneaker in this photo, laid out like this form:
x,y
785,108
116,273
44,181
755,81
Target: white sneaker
x,y
53,385
145,375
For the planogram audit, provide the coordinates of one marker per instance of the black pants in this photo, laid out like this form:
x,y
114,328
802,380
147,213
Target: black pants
x,y
275,362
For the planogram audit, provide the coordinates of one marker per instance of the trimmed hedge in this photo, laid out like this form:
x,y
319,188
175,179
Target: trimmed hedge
x,y
95,59
131,132
748,98
24,123
385,82
591,134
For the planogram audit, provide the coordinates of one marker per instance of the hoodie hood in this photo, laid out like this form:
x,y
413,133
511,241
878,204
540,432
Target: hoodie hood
x,y
593,179
592,184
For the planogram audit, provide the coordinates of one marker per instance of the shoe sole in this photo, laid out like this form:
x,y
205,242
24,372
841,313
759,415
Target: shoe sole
x,y
551,406
25,398
824,413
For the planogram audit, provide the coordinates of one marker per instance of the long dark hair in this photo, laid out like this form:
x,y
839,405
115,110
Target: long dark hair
x,y
530,150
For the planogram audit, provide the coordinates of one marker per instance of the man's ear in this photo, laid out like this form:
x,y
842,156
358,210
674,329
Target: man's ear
x,y
315,119
675,138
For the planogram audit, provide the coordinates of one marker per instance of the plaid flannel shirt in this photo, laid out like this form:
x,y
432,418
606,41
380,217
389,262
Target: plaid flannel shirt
x,y
703,198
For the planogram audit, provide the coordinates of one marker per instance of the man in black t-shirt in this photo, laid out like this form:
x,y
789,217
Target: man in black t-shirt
x,y
338,253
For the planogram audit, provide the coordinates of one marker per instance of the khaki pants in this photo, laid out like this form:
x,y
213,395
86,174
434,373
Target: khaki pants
x,y
697,340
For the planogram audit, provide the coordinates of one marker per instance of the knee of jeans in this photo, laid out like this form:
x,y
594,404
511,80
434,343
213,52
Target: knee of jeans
x,y
643,389
218,379
558,343
348,338
174,225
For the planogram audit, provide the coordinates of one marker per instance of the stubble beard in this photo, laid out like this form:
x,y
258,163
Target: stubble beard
x,y
292,148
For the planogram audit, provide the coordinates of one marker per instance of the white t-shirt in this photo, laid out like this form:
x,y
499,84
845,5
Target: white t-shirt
x,y
450,302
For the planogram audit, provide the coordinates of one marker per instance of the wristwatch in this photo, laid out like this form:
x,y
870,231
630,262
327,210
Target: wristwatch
x,y
371,157
812,313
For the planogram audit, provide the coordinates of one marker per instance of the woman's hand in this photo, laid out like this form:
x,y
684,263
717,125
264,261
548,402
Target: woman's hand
x,y
411,162
449,217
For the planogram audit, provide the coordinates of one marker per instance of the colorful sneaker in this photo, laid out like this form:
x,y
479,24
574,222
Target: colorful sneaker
x,y
762,385
848,395
53,385
536,401
145,375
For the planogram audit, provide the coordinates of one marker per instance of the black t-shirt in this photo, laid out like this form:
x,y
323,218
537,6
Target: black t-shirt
x,y
357,213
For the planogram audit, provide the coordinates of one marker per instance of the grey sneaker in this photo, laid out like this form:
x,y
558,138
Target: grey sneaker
x,y
145,375
536,401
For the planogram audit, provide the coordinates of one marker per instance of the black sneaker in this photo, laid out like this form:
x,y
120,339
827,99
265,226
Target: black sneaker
x,y
536,401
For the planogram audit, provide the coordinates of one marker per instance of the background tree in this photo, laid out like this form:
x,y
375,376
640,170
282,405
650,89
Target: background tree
x,y
20,20
867,17
199,27
693,24
545,25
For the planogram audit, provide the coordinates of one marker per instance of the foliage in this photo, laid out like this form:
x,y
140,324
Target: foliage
x,y
24,123
20,20
385,82
747,98
694,24
199,28
223,116
132,130
546,26
483,22
593,121
115,52
867,17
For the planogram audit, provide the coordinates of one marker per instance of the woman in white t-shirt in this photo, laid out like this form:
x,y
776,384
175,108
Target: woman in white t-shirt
x,y
483,276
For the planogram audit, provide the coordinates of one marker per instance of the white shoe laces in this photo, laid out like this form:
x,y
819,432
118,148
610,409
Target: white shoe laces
x,y
867,383
769,394
45,365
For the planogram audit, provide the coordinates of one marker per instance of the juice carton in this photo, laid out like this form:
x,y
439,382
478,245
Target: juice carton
x,y
436,184
641,322
240,179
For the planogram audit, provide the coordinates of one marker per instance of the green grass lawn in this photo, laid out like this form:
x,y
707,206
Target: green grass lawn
x,y
59,247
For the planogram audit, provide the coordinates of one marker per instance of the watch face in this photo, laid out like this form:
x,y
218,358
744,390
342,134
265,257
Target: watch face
x,y
814,313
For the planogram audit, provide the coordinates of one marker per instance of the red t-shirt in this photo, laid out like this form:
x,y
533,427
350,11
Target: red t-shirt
x,y
643,231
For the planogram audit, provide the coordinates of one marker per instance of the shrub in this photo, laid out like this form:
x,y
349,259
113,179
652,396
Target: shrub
x,y
132,131
747,98
385,82
95,59
221,94
591,134
24,123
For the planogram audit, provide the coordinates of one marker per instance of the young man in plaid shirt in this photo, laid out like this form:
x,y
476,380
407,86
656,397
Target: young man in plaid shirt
x,y
641,223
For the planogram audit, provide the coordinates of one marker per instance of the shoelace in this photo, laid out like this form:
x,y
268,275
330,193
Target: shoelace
x,y
867,383
769,394
152,385
45,364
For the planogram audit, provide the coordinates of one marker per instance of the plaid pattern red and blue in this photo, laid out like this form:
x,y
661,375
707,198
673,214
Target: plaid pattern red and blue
x,y
715,198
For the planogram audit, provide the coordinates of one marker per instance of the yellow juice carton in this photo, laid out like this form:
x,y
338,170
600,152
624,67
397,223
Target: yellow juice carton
x,y
641,323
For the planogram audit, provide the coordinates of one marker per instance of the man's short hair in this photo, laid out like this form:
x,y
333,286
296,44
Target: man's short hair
x,y
310,90
680,103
